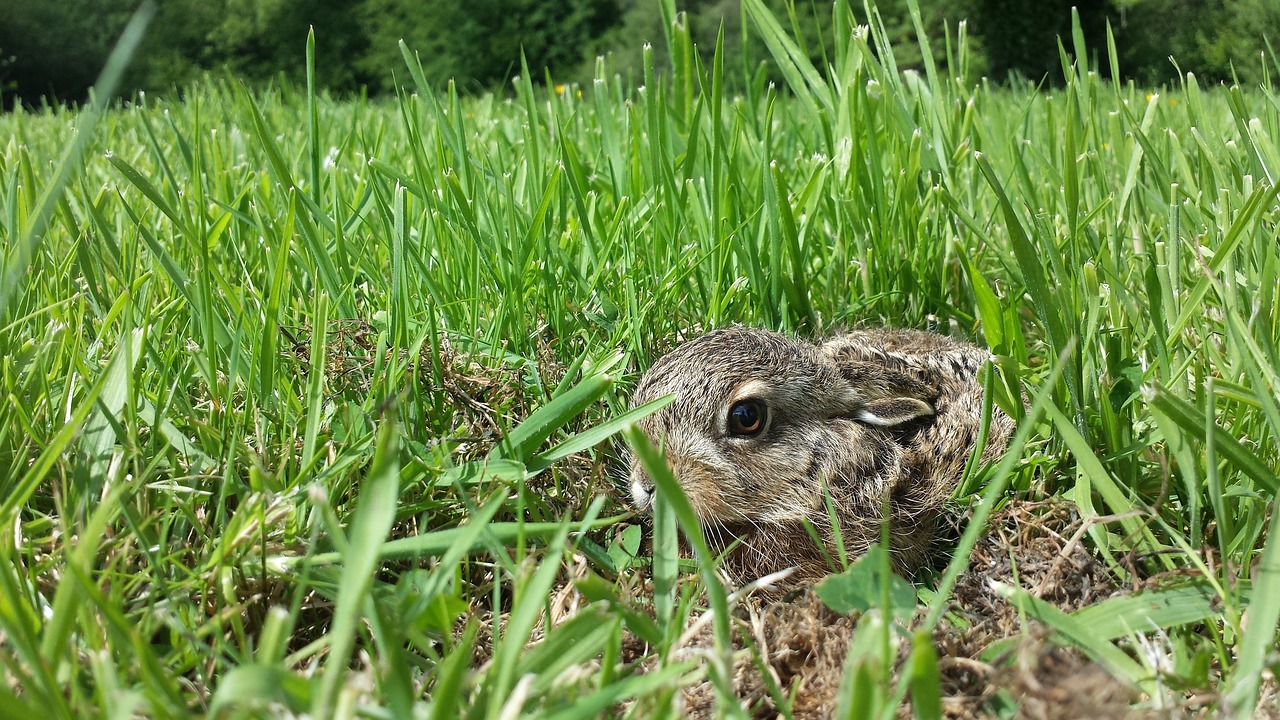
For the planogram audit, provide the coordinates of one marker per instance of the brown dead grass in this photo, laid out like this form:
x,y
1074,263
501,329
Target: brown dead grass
x,y
992,663
804,644
1033,545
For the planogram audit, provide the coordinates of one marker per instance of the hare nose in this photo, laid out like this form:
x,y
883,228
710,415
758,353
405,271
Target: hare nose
x,y
641,492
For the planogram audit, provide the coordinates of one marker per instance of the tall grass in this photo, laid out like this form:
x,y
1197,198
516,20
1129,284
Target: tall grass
x,y
306,401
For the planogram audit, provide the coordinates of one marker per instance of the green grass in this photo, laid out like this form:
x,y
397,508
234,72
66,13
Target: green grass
x,y
309,402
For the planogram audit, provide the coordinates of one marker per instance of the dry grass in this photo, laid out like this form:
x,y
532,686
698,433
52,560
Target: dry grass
x,y
991,660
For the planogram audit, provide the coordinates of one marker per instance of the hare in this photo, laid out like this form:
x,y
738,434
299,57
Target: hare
x,y
765,428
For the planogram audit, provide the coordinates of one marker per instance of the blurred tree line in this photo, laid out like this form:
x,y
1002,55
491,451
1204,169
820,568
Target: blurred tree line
x,y
54,49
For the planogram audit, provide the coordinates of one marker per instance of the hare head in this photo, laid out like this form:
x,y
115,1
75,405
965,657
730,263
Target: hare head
x,y
765,428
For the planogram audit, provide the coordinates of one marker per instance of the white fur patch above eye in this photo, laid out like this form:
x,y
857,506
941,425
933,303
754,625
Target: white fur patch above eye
x,y
893,411
871,418
751,388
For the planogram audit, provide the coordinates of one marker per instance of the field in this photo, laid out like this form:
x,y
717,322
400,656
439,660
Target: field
x,y
317,407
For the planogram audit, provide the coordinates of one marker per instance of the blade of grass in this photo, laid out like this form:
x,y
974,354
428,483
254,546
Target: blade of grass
x,y
522,441
313,118
995,489
786,240
1119,616
17,708
1246,221
254,686
1102,651
926,696
1042,296
450,675
99,434
1258,640
528,600
316,378
440,542
668,490
1191,420
375,511
104,90
598,703
588,439
1094,477
802,77
39,470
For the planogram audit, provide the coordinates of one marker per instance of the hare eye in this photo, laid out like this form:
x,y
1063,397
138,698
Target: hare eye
x,y
748,418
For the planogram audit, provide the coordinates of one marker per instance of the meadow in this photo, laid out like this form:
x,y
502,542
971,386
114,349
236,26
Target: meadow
x,y
316,407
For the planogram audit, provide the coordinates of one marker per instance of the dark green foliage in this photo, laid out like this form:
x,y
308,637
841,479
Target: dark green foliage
x,y
1216,40
58,48
255,39
808,21
260,38
1019,34
478,42
54,50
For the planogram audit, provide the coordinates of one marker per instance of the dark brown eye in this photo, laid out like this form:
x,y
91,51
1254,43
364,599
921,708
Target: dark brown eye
x,y
748,417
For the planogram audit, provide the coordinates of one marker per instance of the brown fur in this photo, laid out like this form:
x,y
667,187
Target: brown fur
x,y
880,417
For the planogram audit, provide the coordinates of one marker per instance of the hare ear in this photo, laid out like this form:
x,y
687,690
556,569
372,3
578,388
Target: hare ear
x,y
875,381
893,411
886,396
